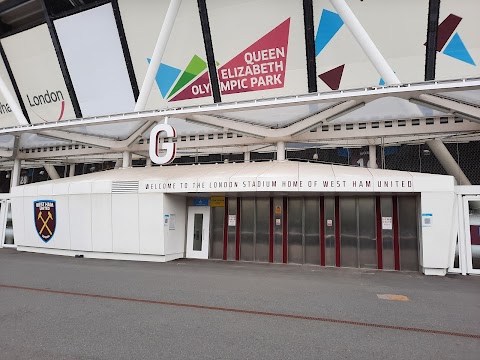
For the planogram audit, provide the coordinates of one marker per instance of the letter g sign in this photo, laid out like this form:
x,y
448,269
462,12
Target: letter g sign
x,y
170,148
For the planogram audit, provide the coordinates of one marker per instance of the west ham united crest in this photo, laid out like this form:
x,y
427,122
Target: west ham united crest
x,y
45,218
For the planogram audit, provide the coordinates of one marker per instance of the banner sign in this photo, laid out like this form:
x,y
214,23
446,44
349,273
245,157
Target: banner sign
x,y
45,218
259,67
170,148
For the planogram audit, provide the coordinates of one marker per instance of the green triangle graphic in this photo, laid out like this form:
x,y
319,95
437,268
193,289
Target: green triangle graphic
x,y
194,67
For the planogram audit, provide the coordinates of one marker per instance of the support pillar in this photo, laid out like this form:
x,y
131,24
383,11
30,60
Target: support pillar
x,y
51,171
71,170
365,42
118,163
281,151
158,52
127,159
447,161
15,176
148,162
372,155
246,156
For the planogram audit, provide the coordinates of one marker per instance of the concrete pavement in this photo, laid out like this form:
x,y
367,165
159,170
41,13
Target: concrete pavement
x,y
139,317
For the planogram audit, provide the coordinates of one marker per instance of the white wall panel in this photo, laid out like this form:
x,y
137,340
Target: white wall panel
x,y
31,236
142,21
240,25
175,239
102,223
436,239
36,70
125,223
7,118
80,222
95,61
151,223
62,236
460,56
398,29
18,213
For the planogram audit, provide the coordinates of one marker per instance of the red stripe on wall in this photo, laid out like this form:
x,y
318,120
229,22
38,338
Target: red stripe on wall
x,y
322,231
396,244
225,230
237,232
337,231
270,255
379,234
285,240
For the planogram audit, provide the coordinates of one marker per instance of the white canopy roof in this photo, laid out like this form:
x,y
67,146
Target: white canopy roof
x,y
274,176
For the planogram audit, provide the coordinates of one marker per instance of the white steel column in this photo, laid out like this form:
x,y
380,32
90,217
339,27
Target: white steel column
x,y
280,151
372,155
365,42
127,159
12,103
148,162
246,156
15,176
447,161
71,172
51,171
158,54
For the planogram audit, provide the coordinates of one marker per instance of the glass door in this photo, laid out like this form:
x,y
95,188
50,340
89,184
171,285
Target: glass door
x,y
198,232
6,226
472,232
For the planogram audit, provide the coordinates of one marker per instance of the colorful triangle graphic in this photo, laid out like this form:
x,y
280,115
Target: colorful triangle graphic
x,y
166,76
329,25
267,64
333,77
197,89
456,49
194,68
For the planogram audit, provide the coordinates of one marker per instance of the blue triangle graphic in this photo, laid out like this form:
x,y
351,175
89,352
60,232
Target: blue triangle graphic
x,y
166,76
381,82
456,49
329,25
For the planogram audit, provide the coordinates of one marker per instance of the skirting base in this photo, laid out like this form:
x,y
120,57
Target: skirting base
x,y
436,272
102,255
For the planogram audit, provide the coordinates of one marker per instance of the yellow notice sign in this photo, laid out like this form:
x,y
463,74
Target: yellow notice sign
x,y
217,201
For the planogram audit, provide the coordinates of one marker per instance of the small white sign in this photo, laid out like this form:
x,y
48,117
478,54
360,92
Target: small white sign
x,y
387,223
278,222
166,219
427,220
232,220
329,222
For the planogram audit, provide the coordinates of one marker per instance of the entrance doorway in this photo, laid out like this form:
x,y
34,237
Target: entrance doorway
x,y
198,232
472,233
6,226
379,232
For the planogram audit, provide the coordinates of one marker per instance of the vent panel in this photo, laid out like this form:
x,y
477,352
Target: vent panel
x,y
125,187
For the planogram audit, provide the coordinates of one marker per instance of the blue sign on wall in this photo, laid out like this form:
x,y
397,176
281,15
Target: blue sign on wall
x,y
200,201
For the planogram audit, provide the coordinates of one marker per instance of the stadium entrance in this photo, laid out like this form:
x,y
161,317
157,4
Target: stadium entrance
x,y
379,232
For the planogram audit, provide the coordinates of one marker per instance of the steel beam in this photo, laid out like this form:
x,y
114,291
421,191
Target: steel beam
x,y
51,171
472,113
406,91
365,42
158,52
447,161
15,176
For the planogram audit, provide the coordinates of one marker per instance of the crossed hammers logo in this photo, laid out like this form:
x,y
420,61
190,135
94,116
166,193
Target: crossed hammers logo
x,y
45,222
